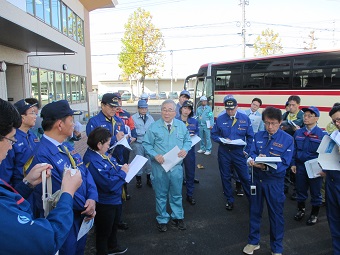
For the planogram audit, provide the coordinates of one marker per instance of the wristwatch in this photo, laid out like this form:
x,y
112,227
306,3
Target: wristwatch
x,y
27,183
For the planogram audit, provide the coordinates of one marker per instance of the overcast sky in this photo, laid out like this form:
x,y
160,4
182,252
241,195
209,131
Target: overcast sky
x,y
198,32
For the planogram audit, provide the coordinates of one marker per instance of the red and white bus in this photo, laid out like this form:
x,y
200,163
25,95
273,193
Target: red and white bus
x,y
312,75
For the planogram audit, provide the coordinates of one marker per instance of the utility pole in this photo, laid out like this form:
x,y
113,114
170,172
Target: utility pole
x,y
243,4
172,67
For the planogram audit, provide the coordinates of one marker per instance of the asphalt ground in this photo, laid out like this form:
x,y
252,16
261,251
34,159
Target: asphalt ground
x,y
211,229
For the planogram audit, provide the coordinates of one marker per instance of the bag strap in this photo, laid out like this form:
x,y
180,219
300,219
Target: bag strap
x,y
46,192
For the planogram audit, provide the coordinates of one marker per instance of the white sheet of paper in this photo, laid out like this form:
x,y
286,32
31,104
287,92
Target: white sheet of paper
x,y
267,159
136,164
329,155
123,142
208,123
234,142
85,228
335,136
313,168
171,159
194,139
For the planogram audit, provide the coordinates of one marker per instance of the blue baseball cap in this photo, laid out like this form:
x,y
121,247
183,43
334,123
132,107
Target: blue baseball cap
x,y
230,104
111,99
142,104
188,104
227,97
312,109
117,95
144,96
23,105
186,93
57,110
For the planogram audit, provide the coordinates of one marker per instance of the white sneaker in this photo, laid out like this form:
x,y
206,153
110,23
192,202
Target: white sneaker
x,y
276,253
250,248
207,153
200,151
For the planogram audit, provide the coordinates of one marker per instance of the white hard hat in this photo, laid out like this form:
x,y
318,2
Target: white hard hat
x,y
203,98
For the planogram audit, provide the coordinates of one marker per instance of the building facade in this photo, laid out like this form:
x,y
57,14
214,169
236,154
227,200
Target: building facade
x,y
45,50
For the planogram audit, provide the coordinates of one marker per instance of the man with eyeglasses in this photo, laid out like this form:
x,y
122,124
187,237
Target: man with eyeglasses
x,y
268,182
306,143
233,125
333,191
26,141
254,115
161,137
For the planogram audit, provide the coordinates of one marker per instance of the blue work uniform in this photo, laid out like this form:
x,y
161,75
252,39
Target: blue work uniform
x,y
21,233
190,160
305,146
12,167
114,125
49,152
109,179
256,120
233,155
142,124
158,141
270,186
204,114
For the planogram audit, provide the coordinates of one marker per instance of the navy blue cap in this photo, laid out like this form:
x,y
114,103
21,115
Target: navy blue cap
x,y
142,104
111,99
22,106
227,97
230,103
187,104
117,95
57,110
312,109
186,93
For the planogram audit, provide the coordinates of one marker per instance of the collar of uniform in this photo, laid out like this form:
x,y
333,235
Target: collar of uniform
x,y
46,139
171,123
20,133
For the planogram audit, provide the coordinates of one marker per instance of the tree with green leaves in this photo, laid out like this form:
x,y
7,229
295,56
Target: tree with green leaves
x,y
268,43
141,54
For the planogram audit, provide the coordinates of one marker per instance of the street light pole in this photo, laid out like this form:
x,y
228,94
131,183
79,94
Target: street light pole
x,y
172,68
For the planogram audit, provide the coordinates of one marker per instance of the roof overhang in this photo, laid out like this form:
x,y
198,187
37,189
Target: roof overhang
x,y
92,5
20,38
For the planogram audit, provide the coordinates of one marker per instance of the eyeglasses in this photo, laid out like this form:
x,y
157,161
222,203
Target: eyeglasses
x,y
33,113
335,121
168,110
271,123
308,116
11,141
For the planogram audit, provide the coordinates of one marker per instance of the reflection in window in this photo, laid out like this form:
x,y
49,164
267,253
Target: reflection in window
x,y
35,83
56,15
70,20
68,87
47,10
74,89
64,19
39,9
30,6
46,86
83,89
80,30
59,86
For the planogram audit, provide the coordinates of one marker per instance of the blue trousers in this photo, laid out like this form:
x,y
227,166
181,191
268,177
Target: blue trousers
x,y
303,183
204,133
167,185
272,191
333,207
226,159
189,168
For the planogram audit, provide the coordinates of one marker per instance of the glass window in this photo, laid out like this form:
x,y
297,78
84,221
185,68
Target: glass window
x,y
59,86
70,20
35,83
74,24
39,9
227,77
310,79
74,89
80,30
46,86
68,87
47,10
56,15
30,6
83,90
64,19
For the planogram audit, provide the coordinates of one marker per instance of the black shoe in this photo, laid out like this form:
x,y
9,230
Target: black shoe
x,y
149,183
312,220
196,181
179,224
285,190
229,206
184,182
239,192
117,250
191,200
162,227
123,225
139,184
293,196
299,215
128,197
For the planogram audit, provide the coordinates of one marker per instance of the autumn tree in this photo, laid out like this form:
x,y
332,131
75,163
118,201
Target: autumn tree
x,y
268,43
310,44
142,43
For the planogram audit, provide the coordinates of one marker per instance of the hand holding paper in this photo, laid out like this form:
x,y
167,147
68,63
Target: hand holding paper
x,y
171,159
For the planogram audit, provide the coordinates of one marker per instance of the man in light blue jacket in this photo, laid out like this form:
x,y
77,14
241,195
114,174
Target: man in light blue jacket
x,y
205,119
161,137
255,116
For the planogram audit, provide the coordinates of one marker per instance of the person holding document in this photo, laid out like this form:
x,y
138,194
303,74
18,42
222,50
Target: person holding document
x,y
267,182
189,161
109,178
162,136
333,191
232,126
306,142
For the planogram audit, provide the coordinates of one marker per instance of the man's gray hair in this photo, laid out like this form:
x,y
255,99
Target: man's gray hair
x,y
168,101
